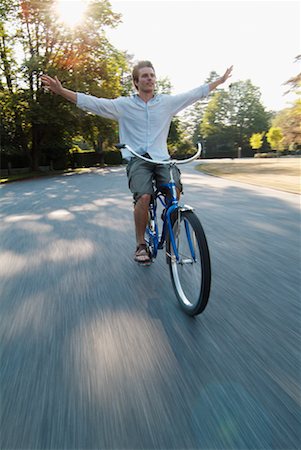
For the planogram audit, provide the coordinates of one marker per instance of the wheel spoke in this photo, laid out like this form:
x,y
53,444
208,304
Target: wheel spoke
x,y
191,274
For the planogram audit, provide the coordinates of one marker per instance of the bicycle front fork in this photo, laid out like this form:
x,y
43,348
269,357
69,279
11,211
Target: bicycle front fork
x,y
174,231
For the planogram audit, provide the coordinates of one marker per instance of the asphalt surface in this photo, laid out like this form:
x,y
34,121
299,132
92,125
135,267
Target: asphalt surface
x,y
96,352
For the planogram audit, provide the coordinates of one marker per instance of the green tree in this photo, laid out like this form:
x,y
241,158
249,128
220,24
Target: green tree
x,y
231,118
163,86
175,137
193,115
85,61
12,102
215,127
274,137
246,113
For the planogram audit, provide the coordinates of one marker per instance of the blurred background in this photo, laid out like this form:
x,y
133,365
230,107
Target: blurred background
x,y
92,45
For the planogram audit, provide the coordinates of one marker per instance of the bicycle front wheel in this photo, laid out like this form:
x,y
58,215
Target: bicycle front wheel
x,y
191,271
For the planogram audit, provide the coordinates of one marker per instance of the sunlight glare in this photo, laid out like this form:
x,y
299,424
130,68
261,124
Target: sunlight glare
x,y
71,12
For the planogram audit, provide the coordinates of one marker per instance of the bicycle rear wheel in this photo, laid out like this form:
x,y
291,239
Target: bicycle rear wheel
x,y
191,274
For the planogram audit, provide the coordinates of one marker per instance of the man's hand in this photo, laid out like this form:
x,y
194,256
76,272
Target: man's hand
x,y
213,85
54,85
226,75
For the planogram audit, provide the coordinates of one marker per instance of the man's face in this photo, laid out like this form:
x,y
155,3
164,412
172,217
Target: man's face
x,y
146,80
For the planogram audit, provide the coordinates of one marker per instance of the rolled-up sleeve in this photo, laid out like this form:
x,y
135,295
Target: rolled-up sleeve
x,y
103,107
181,101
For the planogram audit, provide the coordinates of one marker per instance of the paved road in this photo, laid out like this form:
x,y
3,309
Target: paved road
x,y
97,354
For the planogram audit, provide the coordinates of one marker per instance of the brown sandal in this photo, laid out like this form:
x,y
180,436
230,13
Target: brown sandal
x,y
142,254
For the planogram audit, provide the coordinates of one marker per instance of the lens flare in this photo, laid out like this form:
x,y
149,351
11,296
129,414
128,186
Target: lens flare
x,y
71,12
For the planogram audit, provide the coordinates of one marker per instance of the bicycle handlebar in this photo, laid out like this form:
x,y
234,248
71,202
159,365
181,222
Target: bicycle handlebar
x,y
165,162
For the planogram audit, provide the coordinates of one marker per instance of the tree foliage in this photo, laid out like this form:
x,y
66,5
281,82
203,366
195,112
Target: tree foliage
x,y
256,140
274,137
177,142
42,124
193,115
231,118
289,119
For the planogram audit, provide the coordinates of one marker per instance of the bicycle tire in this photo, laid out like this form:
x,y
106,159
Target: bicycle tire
x,y
191,278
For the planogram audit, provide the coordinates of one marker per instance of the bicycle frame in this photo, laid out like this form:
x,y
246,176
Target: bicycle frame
x,y
170,205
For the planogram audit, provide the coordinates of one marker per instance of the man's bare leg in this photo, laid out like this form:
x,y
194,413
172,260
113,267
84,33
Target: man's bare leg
x,y
141,219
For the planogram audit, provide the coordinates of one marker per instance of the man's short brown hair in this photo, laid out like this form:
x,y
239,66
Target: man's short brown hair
x,y
137,67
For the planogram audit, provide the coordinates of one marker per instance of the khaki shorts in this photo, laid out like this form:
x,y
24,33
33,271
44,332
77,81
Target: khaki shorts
x,y
141,175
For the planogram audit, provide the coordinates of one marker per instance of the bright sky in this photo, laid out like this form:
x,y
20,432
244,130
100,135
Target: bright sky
x,y
185,40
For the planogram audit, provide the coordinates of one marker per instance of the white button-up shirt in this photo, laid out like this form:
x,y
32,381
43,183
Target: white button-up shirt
x,y
144,126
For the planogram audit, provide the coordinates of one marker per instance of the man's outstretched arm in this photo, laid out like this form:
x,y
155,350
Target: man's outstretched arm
x,y
220,80
55,86
103,107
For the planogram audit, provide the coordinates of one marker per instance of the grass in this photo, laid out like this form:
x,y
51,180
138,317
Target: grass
x,y
276,173
39,174
21,176
28,176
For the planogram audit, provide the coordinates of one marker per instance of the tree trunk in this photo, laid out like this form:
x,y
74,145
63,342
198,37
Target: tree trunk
x,y
6,64
35,147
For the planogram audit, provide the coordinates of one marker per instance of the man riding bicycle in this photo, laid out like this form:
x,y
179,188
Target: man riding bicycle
x,y
144,120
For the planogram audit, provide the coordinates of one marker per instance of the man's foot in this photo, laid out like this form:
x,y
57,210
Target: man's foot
x,y
142,255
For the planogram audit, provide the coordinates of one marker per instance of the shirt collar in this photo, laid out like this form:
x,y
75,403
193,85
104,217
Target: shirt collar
x,y
137,99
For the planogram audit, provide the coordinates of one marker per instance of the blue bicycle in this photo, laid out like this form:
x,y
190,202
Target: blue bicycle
x,y
183,238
